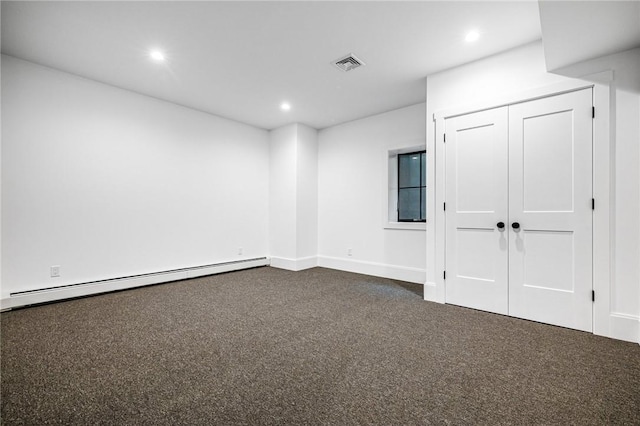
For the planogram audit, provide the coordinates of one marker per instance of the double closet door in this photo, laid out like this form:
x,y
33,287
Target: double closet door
x,y
519,210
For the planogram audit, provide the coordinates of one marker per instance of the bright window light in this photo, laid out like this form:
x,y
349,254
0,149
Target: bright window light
x,y
472,36
156,55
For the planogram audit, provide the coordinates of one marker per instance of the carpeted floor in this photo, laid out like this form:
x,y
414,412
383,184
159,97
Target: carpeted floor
x,y
267,346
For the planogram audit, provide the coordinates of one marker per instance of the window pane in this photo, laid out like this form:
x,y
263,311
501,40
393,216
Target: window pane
x,y
408,170
409,204
423,160
423,205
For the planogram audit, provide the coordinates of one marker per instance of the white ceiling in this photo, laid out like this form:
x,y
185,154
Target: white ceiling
x,y
576,31
240,60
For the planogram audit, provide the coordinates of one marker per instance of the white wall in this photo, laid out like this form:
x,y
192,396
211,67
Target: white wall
x,y
625,297
108,183
0,160
282,192
307,190
293,202
624,118
351,169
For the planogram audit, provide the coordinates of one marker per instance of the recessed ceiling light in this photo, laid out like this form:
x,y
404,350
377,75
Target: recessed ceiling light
x,y
472,36
156,55
285,106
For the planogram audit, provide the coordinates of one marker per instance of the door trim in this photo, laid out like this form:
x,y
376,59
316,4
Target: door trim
x,y
526,96
604,321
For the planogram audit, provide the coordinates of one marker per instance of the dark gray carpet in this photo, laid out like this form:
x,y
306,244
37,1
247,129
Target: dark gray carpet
x,y
267,346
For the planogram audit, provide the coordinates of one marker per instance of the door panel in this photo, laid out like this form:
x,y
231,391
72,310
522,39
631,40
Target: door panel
x,y
547,166
475,162
550,191
476,194
549,260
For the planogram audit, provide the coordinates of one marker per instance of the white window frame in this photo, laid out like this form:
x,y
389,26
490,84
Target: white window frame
x,y
390,187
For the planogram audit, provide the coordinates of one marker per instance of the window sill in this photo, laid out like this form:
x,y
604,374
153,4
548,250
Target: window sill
x,y
419,226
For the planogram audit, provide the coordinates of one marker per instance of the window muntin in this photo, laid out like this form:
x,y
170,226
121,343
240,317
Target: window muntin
x,y
412,187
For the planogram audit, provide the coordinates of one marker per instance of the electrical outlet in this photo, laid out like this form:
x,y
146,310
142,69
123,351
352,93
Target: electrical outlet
x,y
239,251
55,271
349,252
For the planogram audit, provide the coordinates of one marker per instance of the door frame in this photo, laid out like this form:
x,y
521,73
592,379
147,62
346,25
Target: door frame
x,y
603,184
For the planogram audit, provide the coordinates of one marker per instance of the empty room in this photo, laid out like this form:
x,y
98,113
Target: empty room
x,y
320,212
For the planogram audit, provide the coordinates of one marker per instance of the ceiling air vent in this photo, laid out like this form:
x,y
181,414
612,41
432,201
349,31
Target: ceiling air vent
x,y
348,63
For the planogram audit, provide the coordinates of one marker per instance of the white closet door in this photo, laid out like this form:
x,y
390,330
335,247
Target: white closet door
x,y
550,193
476,201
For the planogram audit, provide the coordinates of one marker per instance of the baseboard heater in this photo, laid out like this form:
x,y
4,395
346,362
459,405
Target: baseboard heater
x,y
49,294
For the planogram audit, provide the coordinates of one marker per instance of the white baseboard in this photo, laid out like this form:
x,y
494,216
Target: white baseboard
x,y
401,273
624,327
294,264
77,290
430,292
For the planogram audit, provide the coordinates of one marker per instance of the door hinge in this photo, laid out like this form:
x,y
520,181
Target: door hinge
x,y
593,112
444,206
444,137
593,295
444,274
593,204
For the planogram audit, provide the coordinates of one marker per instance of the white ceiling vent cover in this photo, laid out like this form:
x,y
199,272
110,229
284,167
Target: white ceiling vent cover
x,y
348,62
